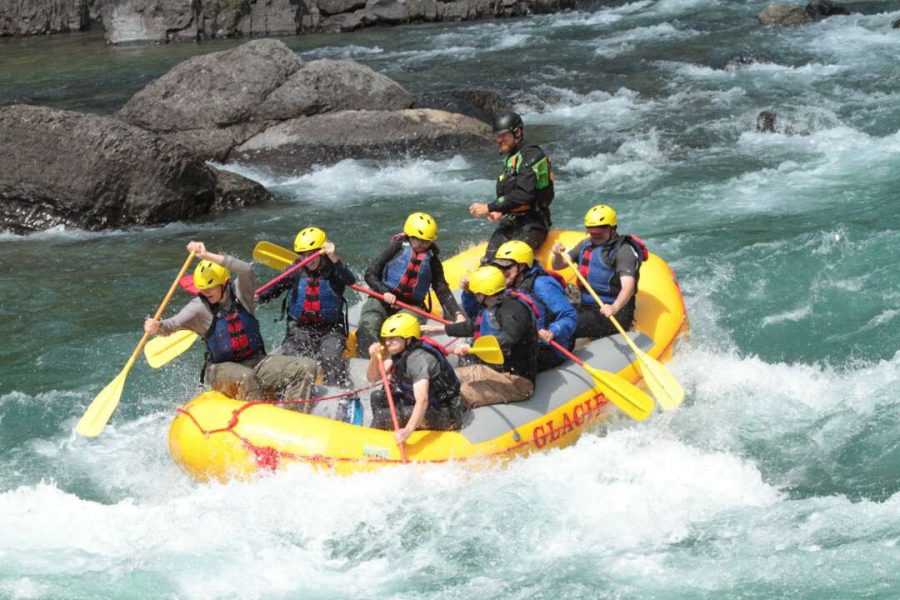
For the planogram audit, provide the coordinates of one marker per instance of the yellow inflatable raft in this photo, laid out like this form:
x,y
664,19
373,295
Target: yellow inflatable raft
x,y
215,437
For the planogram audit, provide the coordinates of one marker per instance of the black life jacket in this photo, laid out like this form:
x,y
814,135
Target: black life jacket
x,y
442,390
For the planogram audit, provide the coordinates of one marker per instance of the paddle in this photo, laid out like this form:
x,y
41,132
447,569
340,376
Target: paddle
x,y
101,409
624,394
290,271
273,255
657,377
403,305
487,348
390,399
163,349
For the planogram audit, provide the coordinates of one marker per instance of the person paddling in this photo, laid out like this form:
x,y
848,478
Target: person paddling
x,y
427,389
316,326
513,322
556,318
524,189
406,270
611,263
223,314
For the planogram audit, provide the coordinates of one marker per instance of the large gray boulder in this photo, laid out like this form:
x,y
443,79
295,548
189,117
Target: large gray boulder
x,y
93,172
483,105
234,191
210,104
328,85
34,17
215,90
328,138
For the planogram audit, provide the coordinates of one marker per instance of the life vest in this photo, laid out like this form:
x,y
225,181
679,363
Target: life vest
x,y
521,359
545,315
491,326
408,274
233,336
442,390
313,301
543,171
598,270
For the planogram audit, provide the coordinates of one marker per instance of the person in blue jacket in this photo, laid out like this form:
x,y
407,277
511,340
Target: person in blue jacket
x,y
557,317
316,326
511,318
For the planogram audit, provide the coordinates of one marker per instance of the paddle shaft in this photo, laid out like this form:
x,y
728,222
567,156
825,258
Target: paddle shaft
x,y
289,272
562,350
404,305
161,309
393,408
101,408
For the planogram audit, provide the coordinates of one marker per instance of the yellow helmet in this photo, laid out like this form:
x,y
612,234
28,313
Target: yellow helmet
x,y
421,225
311,238
401,325
487,280
208,274
600,215
516,251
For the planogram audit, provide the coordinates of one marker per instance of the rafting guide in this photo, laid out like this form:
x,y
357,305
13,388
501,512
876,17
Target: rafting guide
x,y
524,191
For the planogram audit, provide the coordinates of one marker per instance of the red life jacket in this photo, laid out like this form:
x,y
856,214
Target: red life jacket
x,y
410,277
311,305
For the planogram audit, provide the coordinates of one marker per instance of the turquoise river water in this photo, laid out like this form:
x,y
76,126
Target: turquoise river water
x,y
779,478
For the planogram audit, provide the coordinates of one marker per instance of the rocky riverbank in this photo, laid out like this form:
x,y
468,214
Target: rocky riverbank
x,y
259,104
126,21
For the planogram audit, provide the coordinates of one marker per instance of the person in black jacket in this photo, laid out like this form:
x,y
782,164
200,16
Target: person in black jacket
x,y
524,189
406,270
507,316
316,326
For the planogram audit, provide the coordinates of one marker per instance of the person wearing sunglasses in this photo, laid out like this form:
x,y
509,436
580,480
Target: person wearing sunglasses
x,y
557,318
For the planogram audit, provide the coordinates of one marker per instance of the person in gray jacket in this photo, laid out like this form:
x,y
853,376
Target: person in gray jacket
x,y
224,315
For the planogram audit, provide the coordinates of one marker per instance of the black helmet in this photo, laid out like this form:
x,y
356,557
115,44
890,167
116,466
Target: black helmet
x,y
508,121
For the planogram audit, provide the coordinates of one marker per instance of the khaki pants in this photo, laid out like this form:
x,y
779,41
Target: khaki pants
x,y
272,378
481,385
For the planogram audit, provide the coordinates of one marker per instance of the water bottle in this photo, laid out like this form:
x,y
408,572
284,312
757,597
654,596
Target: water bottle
x,y
350,410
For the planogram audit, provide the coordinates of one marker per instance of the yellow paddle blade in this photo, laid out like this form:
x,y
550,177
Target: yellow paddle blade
x,y
162,349
625,395
487,349
273,255
660,382
101,409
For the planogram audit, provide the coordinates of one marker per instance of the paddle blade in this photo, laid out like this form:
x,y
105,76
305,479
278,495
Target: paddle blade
x,y
273,255
487,349
664,387
101,409
164,348
625,395
187,284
